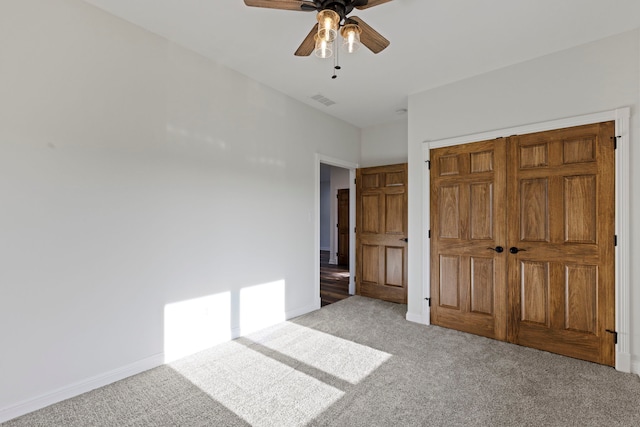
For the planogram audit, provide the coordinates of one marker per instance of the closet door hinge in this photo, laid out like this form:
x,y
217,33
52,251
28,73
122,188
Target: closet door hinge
x,y
428,162
429,235
615,335
615,141
615,240
428,301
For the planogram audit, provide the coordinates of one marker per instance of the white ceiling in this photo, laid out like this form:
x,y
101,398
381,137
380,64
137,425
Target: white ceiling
x,y
433,42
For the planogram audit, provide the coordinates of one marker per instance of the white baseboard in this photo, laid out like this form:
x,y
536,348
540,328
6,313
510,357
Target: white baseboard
x,y
635,367
67,392
416,318
303,310
623,362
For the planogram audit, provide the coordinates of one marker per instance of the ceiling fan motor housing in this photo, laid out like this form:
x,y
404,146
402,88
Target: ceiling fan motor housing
x,y
341,7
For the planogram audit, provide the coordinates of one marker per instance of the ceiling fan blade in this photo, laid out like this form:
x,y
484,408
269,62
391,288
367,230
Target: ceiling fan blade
x,y
308,44
372,3
306,6
370,37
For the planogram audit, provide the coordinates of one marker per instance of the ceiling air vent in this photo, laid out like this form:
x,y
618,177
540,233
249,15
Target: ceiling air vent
x,y
323,100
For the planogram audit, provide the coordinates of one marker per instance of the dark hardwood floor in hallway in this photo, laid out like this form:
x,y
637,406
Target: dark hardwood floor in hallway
x,y
334,280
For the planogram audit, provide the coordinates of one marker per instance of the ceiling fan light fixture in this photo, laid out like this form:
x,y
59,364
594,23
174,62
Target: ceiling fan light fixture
x,y
324,49
328,21
350,37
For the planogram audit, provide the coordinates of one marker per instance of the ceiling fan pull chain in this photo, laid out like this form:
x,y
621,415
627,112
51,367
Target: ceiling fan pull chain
x,y
336,63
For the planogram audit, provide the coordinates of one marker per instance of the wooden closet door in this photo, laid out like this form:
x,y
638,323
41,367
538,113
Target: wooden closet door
x,y
468,235
561,241
381,232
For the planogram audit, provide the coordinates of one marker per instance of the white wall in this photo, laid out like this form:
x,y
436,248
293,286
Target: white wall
x,y
599,76
385,144
136,175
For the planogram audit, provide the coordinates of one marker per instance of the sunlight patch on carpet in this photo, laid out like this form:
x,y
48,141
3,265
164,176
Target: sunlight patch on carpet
x,y
341,358
259,389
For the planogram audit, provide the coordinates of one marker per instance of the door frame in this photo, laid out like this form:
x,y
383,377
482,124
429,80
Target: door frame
x,y
331,161
621,117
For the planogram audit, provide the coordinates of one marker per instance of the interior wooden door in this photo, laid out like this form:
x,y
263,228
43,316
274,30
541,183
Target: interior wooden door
x,y
561,240
468,220
381,232
343,226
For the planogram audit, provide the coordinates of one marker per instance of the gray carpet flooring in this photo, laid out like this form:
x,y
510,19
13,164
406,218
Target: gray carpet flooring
x,y
359,363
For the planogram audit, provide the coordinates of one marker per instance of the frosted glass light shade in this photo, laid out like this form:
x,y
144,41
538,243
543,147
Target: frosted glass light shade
x,y
350,37
328,21
324,49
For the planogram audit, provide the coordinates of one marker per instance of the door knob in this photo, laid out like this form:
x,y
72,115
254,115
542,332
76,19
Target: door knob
x,y
515,250
498,249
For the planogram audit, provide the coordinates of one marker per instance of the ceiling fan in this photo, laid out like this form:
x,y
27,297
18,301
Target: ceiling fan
x,y
332,17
